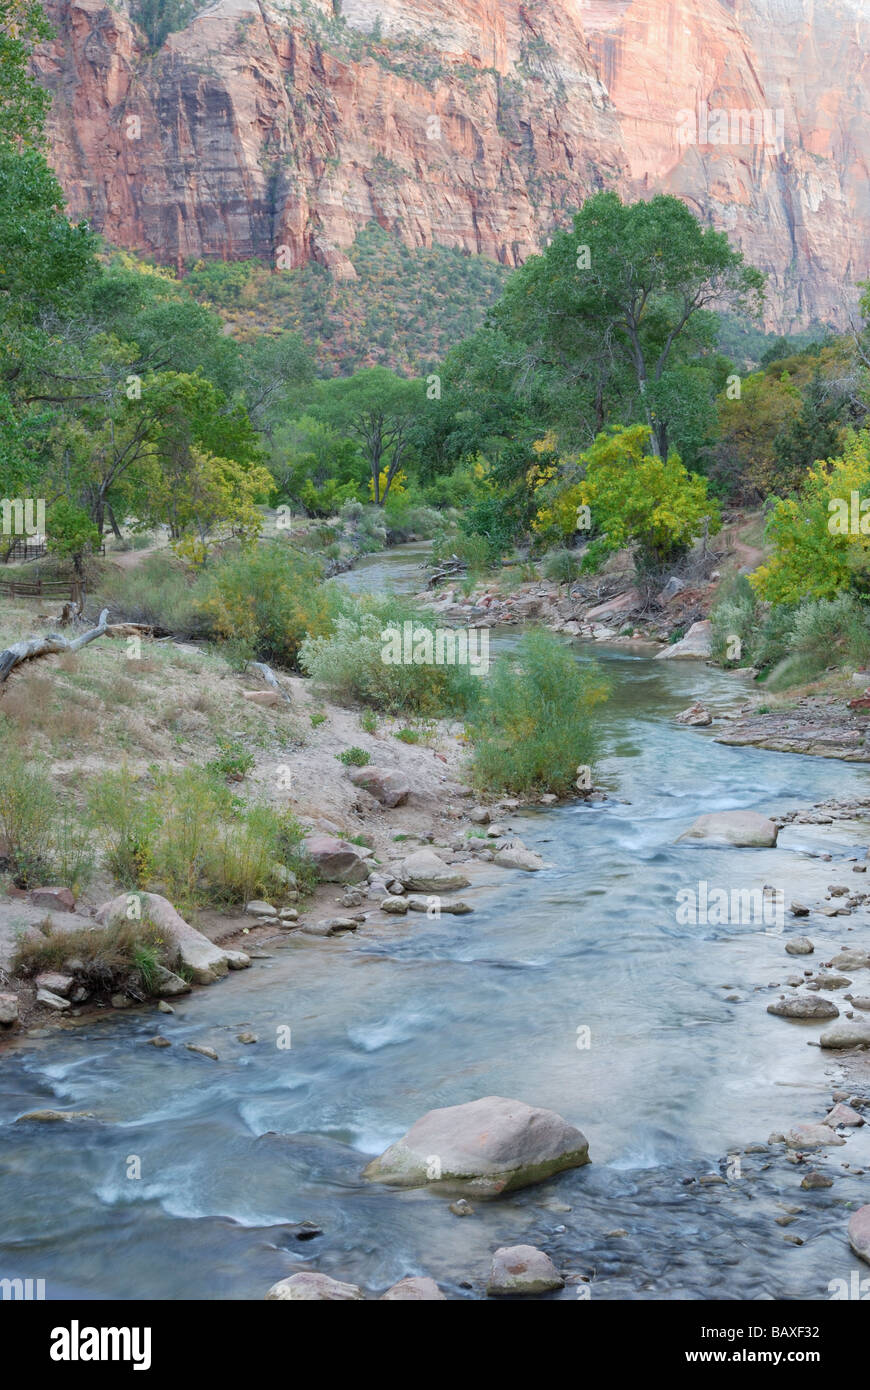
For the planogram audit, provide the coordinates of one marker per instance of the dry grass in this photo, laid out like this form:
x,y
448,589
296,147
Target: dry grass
x,y
101,958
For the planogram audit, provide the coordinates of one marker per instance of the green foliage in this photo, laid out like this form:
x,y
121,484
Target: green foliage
x,y
38,836
108,956
233,762
160,18
354,757
562,566
534,723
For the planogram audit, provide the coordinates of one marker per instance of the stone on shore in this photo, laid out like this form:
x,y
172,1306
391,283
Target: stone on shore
x,y
425,872
386,785
8,1008
257,908
417,1289
859,1232
336,861
205,961
396,905
52,1001
55,899
167,984
804,1006
57,983
743,829
519,1269
697,645
518,857
329,926
844,1034
481,1149
311,1287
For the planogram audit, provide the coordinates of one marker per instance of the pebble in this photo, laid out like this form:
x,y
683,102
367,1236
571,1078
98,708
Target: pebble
x,y
159,1041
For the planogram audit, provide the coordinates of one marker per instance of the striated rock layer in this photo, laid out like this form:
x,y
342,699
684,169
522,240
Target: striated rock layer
x,y
278,131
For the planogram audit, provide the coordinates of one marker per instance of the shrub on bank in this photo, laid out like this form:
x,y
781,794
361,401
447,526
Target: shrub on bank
x,y
534,724
106,957
42,839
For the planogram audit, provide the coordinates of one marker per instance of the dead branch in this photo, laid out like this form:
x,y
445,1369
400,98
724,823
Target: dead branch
x,y
29,648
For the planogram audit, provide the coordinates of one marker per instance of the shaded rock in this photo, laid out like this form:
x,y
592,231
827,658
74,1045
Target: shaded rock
x,y
8,1008
205,961
416,1289
519,1269
482,1148
310,1287
799,910
164,1008
461,1208
336,861
247,1038
743,829
425,872
479,815
457,908
859,1232
804,1006
55,899
386,785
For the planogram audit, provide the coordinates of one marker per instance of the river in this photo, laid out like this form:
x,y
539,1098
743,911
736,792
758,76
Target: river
x,y
193,1177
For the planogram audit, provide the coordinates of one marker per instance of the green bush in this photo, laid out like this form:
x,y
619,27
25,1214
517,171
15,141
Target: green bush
x,y
354,757
160,592
562,567
40,841
534,723
353,663
824,632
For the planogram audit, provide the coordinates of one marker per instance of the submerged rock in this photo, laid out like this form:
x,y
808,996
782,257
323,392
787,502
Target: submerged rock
x,y
482,1148
743,829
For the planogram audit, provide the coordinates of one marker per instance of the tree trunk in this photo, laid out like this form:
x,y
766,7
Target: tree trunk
x,y
31,647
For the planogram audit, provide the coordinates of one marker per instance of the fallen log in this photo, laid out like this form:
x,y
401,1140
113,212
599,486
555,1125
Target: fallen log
x,y
29,648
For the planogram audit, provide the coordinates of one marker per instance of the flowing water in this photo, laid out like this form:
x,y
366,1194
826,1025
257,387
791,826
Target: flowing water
x,y
682,1063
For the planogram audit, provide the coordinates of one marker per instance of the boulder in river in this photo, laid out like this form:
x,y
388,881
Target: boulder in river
x,y
385,784
812,1136
851,959
859,1232
425,872
799,945
481,1149
844,1034
742,829
696,716
311,1287
804,1006
518,1269
205,961
336,861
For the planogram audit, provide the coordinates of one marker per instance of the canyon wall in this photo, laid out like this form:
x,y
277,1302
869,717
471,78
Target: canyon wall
x,y
277,131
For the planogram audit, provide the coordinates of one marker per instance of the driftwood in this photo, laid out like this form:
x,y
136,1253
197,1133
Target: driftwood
x,y
270,678
31,647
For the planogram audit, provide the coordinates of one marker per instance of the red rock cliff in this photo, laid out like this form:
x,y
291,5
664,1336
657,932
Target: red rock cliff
x,y
278,131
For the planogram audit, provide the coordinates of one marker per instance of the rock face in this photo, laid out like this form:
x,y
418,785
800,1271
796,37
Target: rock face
x,y
746,829
266,132
481,1149
205,961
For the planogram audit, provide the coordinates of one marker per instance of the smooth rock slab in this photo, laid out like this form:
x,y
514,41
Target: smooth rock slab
x,y
845,1034
804,1006
859,1232
743,829
414,1289
310,1287
481,1149
520,1269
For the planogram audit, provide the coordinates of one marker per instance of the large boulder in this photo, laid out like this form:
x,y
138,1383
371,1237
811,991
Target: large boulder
x,y
804,1006
697,645
424,872
310,1287
859,1232
205,961
744,829
522,1269
336,861
482,1148
387,786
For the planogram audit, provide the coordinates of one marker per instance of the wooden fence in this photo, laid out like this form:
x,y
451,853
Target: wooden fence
x,y
41,588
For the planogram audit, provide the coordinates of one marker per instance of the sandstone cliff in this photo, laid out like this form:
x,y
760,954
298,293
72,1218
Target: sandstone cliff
x,y
277,131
